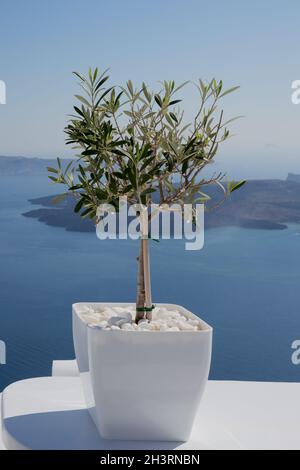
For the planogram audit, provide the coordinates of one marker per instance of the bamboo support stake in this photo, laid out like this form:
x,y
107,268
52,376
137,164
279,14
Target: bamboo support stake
x,y
140,300
144,297
147,279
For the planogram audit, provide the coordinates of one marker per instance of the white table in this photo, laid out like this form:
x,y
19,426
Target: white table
x,y
50,413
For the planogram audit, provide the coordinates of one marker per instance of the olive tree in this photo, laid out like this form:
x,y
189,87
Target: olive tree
x,y
134,142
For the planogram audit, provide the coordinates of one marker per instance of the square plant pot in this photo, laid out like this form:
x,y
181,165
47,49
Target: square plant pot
x,y
142,385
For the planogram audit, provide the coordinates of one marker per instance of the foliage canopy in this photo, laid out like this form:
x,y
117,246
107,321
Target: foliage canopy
x,y
133,142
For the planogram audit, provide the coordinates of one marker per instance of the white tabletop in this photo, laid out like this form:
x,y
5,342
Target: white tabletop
x,y
49,413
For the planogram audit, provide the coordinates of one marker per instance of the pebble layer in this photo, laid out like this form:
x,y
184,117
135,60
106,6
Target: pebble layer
x,y
122,319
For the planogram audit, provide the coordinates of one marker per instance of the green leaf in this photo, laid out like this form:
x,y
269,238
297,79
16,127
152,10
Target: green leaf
x,y
128,113
146,151
131,177
101,195
52,170
230,90
81,77
55,180
158,100
68,167
185,166
130,87
145,178
146,163
119,175
119,96
95,74
79,205
146,93
83,100
190,144
174,102
237,186
103,96
89,211
148,191
203,87
173,116
101,83
81,171
113,186
168,118
78,111
89,152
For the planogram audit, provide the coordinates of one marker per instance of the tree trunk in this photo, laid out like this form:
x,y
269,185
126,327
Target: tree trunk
x,y
144,297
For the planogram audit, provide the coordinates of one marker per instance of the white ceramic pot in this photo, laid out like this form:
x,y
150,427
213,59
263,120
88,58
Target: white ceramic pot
x,y
142,385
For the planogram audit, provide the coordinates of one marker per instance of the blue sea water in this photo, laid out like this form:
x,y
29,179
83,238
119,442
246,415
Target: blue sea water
x,y
245,283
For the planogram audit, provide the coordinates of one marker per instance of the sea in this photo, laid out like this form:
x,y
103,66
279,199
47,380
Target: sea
x,y
245,283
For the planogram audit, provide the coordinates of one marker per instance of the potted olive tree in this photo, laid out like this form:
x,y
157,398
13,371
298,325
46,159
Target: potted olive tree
x,y
143,367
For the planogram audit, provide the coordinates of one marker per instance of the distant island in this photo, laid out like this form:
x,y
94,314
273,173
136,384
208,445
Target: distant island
x,y
260,204
23,166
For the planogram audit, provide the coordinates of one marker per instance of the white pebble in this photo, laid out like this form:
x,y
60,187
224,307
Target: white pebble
x,y
184,326
119,320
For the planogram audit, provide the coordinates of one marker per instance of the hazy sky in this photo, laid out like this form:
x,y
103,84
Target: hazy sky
x,y
253,44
